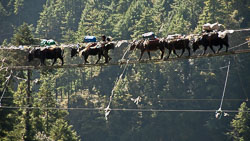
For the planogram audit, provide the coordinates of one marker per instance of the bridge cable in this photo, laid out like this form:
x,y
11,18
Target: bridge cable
x,y
219,112
108,109
123,109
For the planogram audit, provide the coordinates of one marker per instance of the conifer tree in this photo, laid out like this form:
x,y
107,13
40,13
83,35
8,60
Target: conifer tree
x,y
62,131
177,21
18,6
91,22
241,124
46,22
23,36
23,124
6,121
213,11
159,14
145,24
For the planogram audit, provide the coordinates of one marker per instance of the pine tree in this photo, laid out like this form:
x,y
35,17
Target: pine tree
x,y
91,23
18,5
241,10
22,129
159,15
241,124
214,11
46,22
145,24
23,36
62,131
6,121
177,21
48,121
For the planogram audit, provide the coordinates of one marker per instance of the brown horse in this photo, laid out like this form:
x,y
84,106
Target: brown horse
x,y
148,45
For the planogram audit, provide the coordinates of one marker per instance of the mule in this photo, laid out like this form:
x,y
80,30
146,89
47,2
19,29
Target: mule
x,y
46,53
148,46
211,39
176,44
93,51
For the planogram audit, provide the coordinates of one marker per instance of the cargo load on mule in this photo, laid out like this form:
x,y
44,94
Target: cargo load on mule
x,y
46,42
149,35
89,39
212,27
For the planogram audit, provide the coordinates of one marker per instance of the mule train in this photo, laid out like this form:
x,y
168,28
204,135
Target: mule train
x,y
210,37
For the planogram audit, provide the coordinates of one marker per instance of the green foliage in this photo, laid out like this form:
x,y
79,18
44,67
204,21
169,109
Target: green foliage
x,y
61,131
69,20
145,24
18,5
220,11
5,42
21,121
6,121
241,124
23,36
241,10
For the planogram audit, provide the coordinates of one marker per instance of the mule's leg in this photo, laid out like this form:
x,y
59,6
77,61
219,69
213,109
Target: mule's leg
x,y
183,50
99,58
54,61
61,58
188,51
221,46
86,58
109,58
227,45
205,49
106,58
176,53
169,52
162,53
142,52
211,47
149,56
43,61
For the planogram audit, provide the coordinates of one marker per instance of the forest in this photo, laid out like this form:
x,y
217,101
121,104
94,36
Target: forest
x,y
166,101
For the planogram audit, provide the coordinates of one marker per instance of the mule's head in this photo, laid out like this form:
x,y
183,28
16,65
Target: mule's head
x,y
73,52
196,43
32,54
133,45
110,46
163,42
195,46
30,57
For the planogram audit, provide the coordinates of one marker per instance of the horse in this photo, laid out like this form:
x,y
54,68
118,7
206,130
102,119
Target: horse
x,y
211,39
46,53
148,45
94,50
